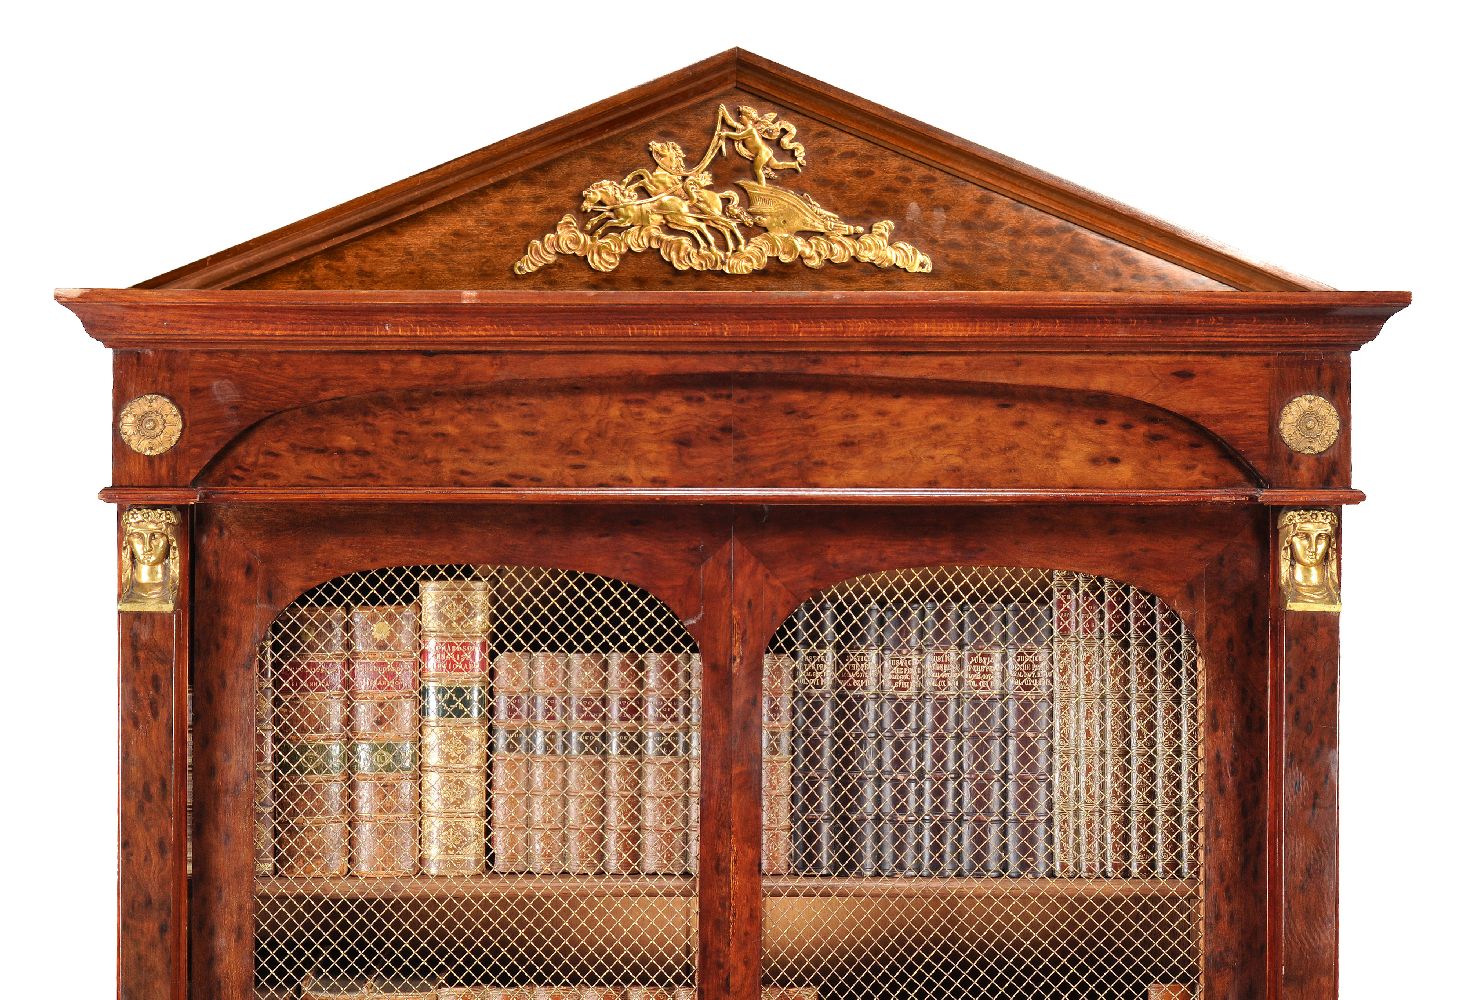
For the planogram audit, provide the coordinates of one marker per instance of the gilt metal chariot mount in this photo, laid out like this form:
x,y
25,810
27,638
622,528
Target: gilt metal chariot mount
x,y
674,209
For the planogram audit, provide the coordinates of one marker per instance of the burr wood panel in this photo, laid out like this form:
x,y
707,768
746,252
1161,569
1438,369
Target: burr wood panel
x,y
722,432
152,908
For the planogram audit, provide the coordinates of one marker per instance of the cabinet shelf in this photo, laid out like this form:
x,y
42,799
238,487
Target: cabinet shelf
x,y
478,886
1042,888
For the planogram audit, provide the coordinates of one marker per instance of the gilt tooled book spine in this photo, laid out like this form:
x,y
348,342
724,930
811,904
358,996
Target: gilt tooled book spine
x,y
454,727
1117,746
1029,752
1174,731
622,821
1187,752
779,670
1140,773
899,739
983,717
586,774
384,731
509,827
549,752
859,820
264,762
814,730
942,804
695,755
310,741
665,764
1093,751
1067,730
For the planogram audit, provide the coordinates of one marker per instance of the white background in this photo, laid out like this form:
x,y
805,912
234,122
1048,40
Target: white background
x,y
1322,138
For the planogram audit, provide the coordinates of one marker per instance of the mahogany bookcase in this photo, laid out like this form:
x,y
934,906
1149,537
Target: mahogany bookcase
x,y
733,409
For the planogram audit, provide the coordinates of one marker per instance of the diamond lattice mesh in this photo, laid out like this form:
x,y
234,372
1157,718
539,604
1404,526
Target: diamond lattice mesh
x,y
983,783
475,776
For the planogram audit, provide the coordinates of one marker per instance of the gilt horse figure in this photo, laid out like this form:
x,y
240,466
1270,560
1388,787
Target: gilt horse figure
x,y
615,206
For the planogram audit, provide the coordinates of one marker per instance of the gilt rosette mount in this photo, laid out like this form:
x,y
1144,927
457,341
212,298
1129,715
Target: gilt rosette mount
x,y
151,424
1309,424
674,209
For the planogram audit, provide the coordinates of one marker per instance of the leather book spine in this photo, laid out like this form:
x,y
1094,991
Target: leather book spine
x,y
586,772
1139,774
264,758
1028,762
1092,753
982,849
549,756
860,764
1170,756
1187,752
942,764
383,724
901,738
695,755
622,822
1117,746
454,732
340,988
778,755
1066,728
813,731
665,764
1168,991
310,741
509,767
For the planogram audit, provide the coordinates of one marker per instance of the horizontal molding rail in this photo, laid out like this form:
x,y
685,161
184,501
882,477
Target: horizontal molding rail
x,y
811,496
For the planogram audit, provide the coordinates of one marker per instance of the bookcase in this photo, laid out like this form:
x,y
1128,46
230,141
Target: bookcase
x,y
835,561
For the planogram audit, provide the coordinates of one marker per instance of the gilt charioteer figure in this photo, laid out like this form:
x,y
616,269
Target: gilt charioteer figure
x,y
672,207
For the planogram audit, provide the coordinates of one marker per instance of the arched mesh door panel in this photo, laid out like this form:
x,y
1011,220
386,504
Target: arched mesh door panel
x,y
982,783
482,778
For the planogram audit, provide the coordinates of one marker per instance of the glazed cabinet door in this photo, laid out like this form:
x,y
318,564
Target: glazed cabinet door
x,y
1014,753
450,753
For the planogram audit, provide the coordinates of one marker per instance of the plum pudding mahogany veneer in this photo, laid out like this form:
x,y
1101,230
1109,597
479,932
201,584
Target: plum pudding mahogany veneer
x,y
733,374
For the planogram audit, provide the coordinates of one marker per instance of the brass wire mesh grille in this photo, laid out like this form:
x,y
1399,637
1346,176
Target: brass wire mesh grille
x,y
475,776
995,790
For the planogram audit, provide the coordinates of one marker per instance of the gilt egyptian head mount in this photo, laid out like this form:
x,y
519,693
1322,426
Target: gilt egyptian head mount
x,y
1309,560
148,562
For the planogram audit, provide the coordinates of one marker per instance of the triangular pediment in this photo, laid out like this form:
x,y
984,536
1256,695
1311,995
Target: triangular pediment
x,y
777,182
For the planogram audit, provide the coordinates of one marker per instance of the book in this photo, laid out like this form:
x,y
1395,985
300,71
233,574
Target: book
x,y
1082,809
1141,772
1028,747
311,768
546,844
815,717
1174,747
857,768
778,756
383,724
622,821
454,729
983,720
586,774
510,767
665,755
695,756
370,988
899,738
264,793
1119,743
942,743
1168,991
